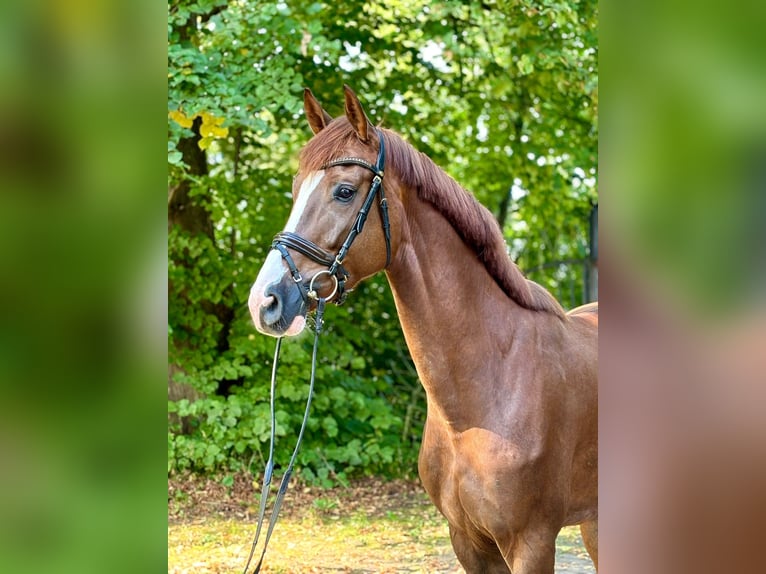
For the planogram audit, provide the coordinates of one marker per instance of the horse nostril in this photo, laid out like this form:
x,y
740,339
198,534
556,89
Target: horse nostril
x,y
271,308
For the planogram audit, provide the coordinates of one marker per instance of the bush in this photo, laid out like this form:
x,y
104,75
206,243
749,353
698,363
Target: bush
x,y
366,415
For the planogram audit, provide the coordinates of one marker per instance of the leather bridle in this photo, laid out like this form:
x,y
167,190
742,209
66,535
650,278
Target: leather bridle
x,y
287,240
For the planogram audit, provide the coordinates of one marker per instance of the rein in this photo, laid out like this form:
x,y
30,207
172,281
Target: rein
x,y
266,488
334,263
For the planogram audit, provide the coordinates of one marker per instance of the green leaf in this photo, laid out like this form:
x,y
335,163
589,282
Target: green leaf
x,y
330,426
525,65
175,157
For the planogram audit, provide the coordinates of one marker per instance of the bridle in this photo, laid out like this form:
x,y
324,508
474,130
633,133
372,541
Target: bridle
x,y
334,263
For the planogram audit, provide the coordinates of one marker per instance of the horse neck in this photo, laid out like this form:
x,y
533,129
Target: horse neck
x,y
453,314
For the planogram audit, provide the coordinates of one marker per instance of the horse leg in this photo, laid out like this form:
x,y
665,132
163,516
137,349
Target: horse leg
x,y
532,552
589,531
477,560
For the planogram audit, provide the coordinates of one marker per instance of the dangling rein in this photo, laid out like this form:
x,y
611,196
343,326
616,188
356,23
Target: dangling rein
x,y
266,489
335,270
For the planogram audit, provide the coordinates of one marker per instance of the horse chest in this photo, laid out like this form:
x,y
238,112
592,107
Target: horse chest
x,y
468,476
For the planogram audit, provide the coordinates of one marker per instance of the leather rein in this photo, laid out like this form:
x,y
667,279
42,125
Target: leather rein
x,y
334,263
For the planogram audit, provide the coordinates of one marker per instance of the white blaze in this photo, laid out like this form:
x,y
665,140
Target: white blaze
x,y
274,268
304,193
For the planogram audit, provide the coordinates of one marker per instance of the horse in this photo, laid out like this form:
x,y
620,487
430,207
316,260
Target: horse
x,y
510,444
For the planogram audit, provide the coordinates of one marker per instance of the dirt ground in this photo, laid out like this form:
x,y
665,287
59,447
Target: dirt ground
x,y
371,526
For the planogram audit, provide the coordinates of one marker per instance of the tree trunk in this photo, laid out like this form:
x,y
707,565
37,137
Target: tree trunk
x,y
191,215
182,210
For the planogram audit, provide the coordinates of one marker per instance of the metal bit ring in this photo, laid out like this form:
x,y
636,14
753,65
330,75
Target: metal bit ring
x,y
312,294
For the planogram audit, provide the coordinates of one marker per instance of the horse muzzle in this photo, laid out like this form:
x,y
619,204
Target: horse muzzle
x,y
279,310
276,303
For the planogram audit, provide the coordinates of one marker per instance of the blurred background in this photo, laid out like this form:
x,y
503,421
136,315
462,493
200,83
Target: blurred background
x,y
683,286
82,285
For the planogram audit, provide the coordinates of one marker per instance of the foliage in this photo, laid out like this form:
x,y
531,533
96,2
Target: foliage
x,y
502,94
354,425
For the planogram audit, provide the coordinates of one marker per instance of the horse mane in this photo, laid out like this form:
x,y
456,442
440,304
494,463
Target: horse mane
x,y
473,222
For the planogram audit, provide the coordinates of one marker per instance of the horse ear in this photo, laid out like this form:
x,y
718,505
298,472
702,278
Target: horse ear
x,y
315,114
356,115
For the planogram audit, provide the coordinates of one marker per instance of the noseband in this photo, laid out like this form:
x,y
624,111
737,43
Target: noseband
x,y
334,263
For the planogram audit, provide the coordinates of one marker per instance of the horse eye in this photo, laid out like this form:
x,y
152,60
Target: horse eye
x,y
344,193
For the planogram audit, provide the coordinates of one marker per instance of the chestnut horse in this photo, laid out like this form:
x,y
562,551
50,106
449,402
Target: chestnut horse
x,y
510,445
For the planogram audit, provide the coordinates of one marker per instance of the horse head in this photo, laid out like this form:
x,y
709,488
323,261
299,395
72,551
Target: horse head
x,y
339,230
